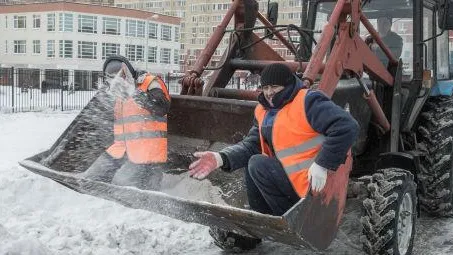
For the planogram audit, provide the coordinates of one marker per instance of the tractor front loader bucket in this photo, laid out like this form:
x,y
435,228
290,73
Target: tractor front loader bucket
x,y
195,123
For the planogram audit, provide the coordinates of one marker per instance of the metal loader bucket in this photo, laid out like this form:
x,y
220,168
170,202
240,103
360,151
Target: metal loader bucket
x,y
195,123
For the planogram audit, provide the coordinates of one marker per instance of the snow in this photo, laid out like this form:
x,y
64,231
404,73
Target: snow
x,y
39,216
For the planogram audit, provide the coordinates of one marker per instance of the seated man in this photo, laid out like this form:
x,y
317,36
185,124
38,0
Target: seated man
x,y
297,135
140,128
393,41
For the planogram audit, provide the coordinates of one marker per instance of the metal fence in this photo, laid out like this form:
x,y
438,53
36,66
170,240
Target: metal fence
x,y
35,90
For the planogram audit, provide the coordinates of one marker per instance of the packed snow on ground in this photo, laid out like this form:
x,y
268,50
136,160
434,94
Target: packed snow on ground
x,y
39,216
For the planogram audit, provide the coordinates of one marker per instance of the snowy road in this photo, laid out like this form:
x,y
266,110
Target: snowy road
x,y
38,216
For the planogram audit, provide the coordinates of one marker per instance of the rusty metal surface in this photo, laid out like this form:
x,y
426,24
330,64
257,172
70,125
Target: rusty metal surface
x,y
246,64
373,65
323,45
379,114
213,119
327,208
349,54
215,39
222,76
192,84
240,94
262,51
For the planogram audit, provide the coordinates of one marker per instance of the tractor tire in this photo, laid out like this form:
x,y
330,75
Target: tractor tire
x,y
389,212
232,242
435,137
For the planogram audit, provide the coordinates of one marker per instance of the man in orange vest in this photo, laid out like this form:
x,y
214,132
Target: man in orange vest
x,y
140,128
297,136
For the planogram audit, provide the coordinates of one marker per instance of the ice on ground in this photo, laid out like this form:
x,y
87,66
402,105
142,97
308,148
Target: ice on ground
x,y
39,216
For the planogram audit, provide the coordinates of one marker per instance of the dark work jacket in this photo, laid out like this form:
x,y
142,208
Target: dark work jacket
x,y
395,44
324,116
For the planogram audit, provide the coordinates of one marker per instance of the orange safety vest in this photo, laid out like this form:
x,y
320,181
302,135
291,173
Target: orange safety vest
x,y
295,142
138,132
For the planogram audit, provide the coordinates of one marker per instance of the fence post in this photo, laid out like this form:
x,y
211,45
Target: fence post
x,y
12,87
167,78
61,89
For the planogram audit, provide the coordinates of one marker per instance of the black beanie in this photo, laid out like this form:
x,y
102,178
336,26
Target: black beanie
x,y
277,74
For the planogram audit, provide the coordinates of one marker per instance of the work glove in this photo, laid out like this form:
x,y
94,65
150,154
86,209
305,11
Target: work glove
x,y
208,161
317,175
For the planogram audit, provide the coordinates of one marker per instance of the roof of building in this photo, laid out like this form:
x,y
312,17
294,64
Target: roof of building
x,y
88,8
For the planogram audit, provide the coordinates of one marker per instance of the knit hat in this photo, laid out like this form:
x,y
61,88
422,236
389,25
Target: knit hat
x,y
113,64
277,74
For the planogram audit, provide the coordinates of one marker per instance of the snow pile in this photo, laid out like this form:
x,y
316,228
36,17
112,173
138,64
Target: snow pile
x,y
184,186
14,245
39,216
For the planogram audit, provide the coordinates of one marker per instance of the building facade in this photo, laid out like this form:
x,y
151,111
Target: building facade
x,y
101,2
199,18
77,37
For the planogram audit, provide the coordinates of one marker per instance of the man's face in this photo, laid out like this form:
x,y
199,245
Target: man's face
x,y
383,25
269,92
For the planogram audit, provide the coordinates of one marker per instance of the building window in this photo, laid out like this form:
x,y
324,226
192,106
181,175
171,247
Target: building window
x,y
6,46
152,30
110,49
87,50
166,33
36,47
152,54
20,21
135,52
176,34
135,28
165,55
66,21
20,46
88,24
111,26
176,57
65,49
50,48
36,21
51,22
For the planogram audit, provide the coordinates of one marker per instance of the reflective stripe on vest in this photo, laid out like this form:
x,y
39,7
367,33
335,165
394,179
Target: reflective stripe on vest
x,y
301,148
138,135
140,118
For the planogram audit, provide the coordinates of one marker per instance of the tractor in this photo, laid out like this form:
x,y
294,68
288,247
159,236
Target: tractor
x,y
400,163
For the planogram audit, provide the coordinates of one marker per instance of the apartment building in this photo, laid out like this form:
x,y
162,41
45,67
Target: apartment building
x,y
101,2
199,18
77,37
